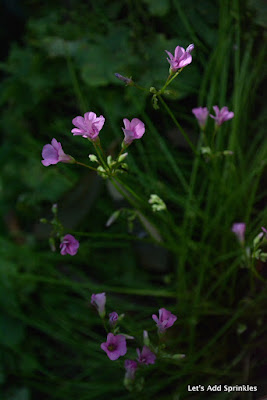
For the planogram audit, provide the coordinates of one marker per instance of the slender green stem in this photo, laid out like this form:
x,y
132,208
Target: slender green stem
x,y
169,80
178,125
141,88
99,151
85,165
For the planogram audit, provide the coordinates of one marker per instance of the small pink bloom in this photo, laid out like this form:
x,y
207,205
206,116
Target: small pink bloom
x,y
89,126
53,154
146,356
222,115
113,318
181,57
69,245
134,129
201,114
99,301
239,229
131,367
166,319
264,231
115,346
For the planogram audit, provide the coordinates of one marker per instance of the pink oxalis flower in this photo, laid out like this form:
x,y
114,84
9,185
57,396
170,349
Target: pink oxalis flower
x,y
221,115
89,126
134,129
115,346
181,57
53,154
201,114
239,229
165,320
99,301
131,367
113,318
69,245
146,356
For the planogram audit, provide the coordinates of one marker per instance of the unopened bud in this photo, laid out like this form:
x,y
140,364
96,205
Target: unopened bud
x,y
122,157
127,81
54,208
93,158
146,339
190,48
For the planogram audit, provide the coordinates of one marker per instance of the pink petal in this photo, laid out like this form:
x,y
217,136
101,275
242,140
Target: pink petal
x,y
179,52
127,124
90,116
79,122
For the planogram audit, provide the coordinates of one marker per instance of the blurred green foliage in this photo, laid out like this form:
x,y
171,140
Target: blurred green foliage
x,y
63,66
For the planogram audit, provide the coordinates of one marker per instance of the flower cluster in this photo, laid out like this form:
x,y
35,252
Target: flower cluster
x,y
115,345
89,127
202,113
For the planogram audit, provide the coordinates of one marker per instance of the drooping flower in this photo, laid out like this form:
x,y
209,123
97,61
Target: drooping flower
x,y
131,367
53,154
99,301
146,356
201,114
181,57
115,346
165,320
221,115
88,126
113,318
134,129
69,245
239,229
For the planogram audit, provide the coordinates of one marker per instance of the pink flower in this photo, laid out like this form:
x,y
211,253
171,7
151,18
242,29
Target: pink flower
x,y
201,114
113,318
134,129
99,301
69,245
89,126
166,320
264,231
239,229
181,57
53,154
146,356
115,346
221,115
131,367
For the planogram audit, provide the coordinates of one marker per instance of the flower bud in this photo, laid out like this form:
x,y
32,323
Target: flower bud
x,y
122,157
93,158
127,81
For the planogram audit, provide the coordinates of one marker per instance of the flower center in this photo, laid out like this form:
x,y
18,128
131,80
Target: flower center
x,y
111,347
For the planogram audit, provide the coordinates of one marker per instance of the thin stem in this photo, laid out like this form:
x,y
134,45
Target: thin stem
x,y
169,80
85,165
99,153
178,125
141,88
